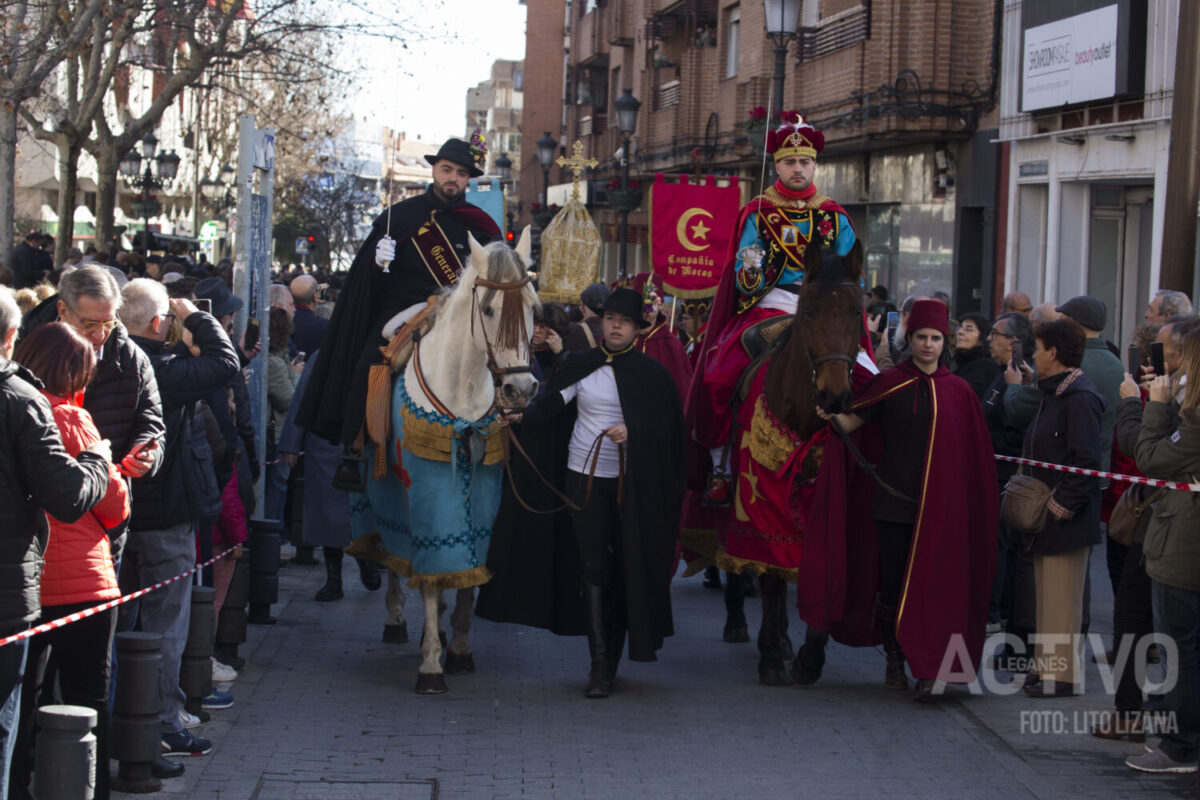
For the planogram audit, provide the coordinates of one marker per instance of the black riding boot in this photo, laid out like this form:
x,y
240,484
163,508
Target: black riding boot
x,y
332,590
895,676
617,625
368,573
597,601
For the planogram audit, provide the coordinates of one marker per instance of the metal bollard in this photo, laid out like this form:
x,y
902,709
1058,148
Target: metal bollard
x,y
135,737
66,754
264,570
195,668
231,622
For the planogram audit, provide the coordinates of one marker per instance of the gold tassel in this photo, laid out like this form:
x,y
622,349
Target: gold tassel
x,y
379,414
466,579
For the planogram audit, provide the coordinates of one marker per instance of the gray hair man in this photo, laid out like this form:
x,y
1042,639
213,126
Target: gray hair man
x,y
1167,303
167,506
39,478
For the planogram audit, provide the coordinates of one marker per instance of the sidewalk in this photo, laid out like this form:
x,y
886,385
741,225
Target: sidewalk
x,y
325,710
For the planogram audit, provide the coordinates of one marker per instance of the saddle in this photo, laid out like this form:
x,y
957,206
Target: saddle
x,y
396,353
758,341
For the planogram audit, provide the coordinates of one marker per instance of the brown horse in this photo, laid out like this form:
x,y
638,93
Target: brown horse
x,y
808,366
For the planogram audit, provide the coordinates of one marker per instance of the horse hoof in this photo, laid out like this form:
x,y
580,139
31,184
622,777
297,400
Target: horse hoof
x,y
395,634
737,634
785,648
431,683
773,673
459,664
806,668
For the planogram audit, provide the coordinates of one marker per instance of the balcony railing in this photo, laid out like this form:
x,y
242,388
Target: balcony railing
x,y
667,94
836,32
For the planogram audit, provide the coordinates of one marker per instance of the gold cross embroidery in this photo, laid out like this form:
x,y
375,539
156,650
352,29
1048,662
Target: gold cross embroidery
x,y
576,164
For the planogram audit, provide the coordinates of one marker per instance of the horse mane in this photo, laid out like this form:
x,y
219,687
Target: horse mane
x,y
505,266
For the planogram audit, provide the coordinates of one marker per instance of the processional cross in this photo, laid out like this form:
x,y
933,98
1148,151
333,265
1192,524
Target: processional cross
x,y
576,164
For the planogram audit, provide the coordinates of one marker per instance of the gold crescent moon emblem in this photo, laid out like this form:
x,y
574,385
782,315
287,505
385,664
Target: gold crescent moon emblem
x,y
681,229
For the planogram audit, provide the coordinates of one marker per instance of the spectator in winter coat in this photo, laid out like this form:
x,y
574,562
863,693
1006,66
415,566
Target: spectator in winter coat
x,y
37,476
1172,554
78,565
1065,430
972,357
166,506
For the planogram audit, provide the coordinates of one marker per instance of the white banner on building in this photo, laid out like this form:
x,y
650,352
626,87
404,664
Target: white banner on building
x,y
1070,60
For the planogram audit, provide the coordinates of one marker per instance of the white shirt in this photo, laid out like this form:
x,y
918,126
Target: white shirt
x,y
599,407
780,300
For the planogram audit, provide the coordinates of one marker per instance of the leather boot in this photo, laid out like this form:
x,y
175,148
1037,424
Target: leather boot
x,y
596,600
332,590
894,677
616,633
368,573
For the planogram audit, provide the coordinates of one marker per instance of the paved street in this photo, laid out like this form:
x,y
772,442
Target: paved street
x,y
325,710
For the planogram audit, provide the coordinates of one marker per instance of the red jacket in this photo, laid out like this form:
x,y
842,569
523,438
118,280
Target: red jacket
x,y
78,560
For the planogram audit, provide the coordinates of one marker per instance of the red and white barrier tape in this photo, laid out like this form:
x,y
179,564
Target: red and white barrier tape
x,y
89,612
1185,487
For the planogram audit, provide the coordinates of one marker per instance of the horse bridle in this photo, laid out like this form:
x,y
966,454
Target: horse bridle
x,y
828,357
499,373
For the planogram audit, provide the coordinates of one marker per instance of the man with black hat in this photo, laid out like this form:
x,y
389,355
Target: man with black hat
x,y
625,478
416,248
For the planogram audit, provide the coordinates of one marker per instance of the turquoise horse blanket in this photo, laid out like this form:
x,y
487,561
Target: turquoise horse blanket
x,y
430,517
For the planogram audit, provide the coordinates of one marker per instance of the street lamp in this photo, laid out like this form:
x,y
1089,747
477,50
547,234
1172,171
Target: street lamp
x,y
627,114
166,167
546,147
783,17
504,167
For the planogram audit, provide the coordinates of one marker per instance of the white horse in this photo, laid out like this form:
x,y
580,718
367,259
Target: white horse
x,y
435,504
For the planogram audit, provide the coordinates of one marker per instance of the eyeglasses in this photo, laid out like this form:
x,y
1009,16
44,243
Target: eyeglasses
x,y
1002,333
90,326
969,329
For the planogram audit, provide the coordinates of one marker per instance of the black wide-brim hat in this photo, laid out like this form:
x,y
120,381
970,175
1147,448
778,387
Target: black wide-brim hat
x,y
627,302
459,152
223,301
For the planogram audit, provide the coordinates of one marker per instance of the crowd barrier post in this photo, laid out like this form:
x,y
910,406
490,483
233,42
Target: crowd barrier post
x,y
195,669
66,754
264,543
135,736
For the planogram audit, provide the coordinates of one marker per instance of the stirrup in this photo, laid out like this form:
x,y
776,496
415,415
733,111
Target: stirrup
x,y
719,492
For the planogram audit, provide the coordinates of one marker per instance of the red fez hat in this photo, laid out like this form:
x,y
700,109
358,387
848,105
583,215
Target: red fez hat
x,y
929,314
795,139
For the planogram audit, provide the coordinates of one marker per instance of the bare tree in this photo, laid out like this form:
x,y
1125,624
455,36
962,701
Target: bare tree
x,y
37,36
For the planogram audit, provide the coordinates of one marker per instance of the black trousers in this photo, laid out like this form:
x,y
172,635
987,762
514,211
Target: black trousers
x,y
1133,617
895,538
597,527
83,655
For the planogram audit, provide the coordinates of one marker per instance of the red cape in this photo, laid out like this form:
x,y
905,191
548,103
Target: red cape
x,y
948,578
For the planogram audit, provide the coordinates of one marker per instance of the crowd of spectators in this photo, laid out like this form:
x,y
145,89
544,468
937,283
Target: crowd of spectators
x,y
127,421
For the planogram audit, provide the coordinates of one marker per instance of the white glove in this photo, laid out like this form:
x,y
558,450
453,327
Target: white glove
x,y
385,251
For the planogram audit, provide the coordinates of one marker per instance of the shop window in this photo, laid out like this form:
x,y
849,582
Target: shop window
x,y
732,27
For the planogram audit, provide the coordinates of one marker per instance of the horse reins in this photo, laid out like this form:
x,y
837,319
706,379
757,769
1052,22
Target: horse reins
x,y
593,454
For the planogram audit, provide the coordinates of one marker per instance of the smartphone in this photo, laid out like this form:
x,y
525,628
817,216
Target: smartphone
x,y
204,304
252,331
1135,361
893,321
1018,356
1156,358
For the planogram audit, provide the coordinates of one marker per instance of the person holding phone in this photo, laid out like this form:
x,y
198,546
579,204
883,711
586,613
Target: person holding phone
x,y
1012,602
166,506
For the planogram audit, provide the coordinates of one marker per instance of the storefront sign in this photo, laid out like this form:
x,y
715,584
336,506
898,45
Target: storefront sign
x,y
1071,60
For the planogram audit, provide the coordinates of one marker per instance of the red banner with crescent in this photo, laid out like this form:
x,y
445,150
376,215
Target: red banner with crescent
x,y
690,228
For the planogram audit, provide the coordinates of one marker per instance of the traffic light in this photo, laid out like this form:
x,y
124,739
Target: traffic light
x,y
508,236
312,241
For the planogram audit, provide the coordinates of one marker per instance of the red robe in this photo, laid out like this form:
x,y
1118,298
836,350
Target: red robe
x,y
948,578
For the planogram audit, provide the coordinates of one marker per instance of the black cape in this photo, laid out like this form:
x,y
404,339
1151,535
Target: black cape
x,y
542,569
333,407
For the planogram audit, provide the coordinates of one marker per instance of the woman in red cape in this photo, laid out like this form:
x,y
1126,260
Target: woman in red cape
x,y
941,614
